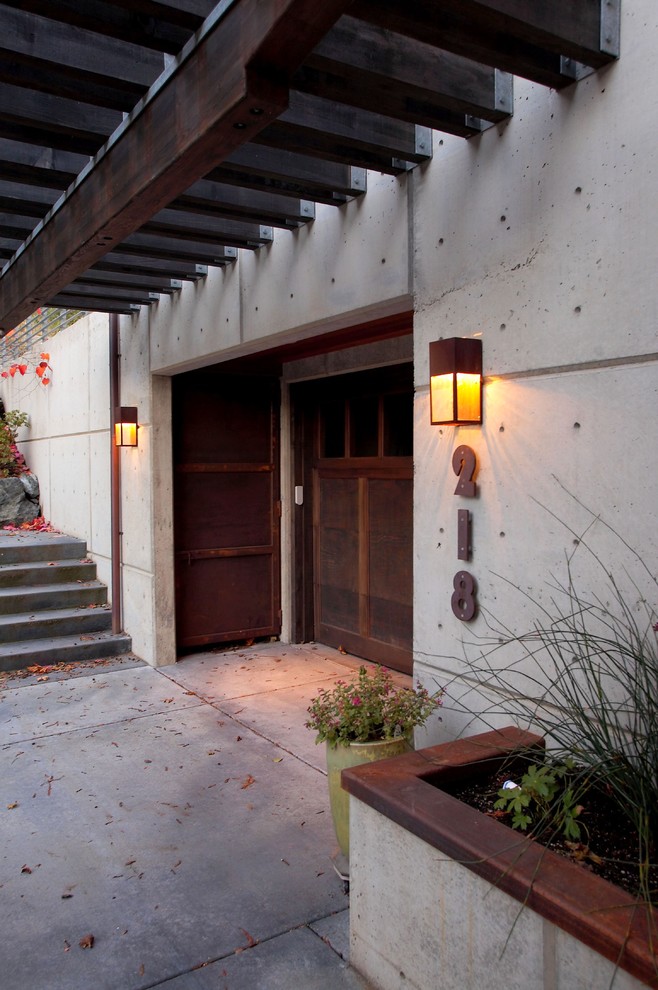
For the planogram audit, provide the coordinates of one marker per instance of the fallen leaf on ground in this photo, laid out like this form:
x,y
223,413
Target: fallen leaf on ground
x,y
580,851
248,782
26,869
49,781
13,805
67,946
87,942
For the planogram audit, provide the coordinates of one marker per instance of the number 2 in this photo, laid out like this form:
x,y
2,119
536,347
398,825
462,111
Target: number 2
x,y
464,465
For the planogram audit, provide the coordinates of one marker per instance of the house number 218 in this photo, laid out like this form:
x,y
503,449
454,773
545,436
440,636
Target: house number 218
x,y
463,601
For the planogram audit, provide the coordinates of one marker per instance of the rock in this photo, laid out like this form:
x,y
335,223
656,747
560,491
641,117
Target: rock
x,y
19,500
30,483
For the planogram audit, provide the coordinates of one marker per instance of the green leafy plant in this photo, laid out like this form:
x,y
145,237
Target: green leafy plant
x,y
12,461
544,796
370,708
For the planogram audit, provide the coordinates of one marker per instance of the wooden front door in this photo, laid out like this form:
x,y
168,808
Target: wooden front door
x,y
359,443
226,508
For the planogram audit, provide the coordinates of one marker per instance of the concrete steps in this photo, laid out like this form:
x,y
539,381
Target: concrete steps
x,y
53,609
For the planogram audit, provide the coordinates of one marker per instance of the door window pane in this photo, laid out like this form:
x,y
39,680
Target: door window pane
x,y
398,425
332,418
364,426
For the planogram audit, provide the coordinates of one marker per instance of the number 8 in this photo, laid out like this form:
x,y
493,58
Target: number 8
x,y
463,600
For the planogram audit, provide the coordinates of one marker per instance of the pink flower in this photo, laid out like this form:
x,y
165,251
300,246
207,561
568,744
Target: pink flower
x,y
356,700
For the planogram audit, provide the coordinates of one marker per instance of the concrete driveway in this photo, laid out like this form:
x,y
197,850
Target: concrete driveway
x,y
170,828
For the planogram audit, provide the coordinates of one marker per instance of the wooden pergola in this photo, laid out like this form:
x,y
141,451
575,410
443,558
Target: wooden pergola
x,y
142,141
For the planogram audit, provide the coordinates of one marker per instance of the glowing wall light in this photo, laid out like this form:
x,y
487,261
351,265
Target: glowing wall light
x,y
125,426
456,381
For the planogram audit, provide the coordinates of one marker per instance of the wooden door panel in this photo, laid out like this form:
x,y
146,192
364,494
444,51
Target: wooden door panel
x,y
364,586
226,508
220,517
229,418
212,606
390,570
338,553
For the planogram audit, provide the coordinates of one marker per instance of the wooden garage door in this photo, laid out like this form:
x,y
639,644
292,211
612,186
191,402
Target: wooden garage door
x,y
226,508
360,436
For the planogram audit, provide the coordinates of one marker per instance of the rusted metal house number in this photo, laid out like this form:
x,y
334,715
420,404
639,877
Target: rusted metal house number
x,y
464,601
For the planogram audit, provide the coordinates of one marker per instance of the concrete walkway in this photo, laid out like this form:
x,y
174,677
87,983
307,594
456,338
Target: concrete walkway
x,y
176,818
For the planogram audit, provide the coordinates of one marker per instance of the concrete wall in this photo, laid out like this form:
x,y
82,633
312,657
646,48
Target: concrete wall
x,y
419,919
67,441
541,236
349,265
67,444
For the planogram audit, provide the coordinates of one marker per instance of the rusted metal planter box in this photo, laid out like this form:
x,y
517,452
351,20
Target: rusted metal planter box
x,y
445,897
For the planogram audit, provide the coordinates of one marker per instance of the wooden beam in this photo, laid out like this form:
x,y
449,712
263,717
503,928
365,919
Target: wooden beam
x,y
174,248
53,121
206,230
121,294
16,225
254,166
318,127
66,300
178,11
42,54
228,83
118,280
215,199
30,201
143,264
39,166
367,66
542,41
167,32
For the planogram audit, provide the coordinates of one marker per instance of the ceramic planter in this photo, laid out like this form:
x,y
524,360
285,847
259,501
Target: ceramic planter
x,y
340,758
443,895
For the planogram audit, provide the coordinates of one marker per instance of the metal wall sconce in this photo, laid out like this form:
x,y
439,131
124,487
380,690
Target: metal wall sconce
x,y
456,381
125,426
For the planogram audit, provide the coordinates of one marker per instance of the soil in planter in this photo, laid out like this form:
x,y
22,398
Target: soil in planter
x,y
608,844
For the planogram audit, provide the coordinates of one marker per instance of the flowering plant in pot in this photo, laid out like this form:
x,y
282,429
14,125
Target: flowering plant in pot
x,y
362,721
